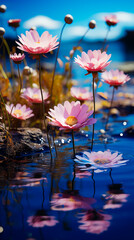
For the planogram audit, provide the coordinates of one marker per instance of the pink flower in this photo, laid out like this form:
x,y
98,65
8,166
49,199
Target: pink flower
x,y
41,221
35,45
19,111
67,202
17,58
111,20
93,61
81,93
101,159
115,77
94,222
33,95
14,23
71,116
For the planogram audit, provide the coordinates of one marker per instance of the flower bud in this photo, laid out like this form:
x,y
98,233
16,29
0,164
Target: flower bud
x,y
68,19
33,28
2,31
92,24
14,23
27,71
3,8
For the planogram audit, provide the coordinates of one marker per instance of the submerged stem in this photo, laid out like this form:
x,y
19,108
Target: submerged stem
x,y
73,144
51,93
43,108
106,126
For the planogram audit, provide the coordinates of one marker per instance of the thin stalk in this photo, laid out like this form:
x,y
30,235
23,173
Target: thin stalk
x,y
74,175
93,111
19,79
105,39
106,126
110,174
79,42
5,110
43,109
51,93
93,183
73,144
8,51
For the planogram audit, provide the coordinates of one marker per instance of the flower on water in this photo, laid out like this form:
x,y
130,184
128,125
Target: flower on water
x,y
93,61
101,160
71,116
17,58
19,111
14,22
94,222
81,93
111,20
114,77
35,45
41,221
34,95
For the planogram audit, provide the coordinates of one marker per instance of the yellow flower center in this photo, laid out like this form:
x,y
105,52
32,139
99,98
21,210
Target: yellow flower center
x,y
17,112
102,161
35,96
71,120
115,78
37,42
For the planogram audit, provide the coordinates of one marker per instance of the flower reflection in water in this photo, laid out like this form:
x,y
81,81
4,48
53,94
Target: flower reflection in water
x,y
95,222
68,202
41,219
115,197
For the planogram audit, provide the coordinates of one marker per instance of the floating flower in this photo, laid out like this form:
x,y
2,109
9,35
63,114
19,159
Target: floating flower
x,y
115,78
19,111
17,58
94,222
41,221
101,159
111,20
14,23
35,45
81,94
33,95
71,116
93,61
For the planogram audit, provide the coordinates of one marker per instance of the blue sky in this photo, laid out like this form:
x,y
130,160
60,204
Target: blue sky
x,y
82,11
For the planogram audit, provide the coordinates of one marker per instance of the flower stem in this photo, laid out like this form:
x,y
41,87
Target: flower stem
x,y
74,175
8,51
93,112
19,79
43,109
110,174
105,39
73,144
93,182
2,100
51,93
106,126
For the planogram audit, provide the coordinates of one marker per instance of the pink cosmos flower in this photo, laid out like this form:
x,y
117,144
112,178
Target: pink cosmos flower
x,y
35,45
17,58
33,95
93,61
41,221
81,94
94,222
19,111
101,160
71,116
115,77
111,20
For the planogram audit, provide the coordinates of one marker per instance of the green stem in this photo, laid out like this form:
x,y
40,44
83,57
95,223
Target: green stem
x,y
19,79
93,112
106,126
5,110
73,144
51,93
8,51
43,109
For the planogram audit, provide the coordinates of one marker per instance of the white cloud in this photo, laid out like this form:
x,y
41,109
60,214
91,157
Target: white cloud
x,y
42,21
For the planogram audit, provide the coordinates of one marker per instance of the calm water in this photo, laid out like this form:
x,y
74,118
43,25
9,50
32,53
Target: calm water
x,y
40,200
